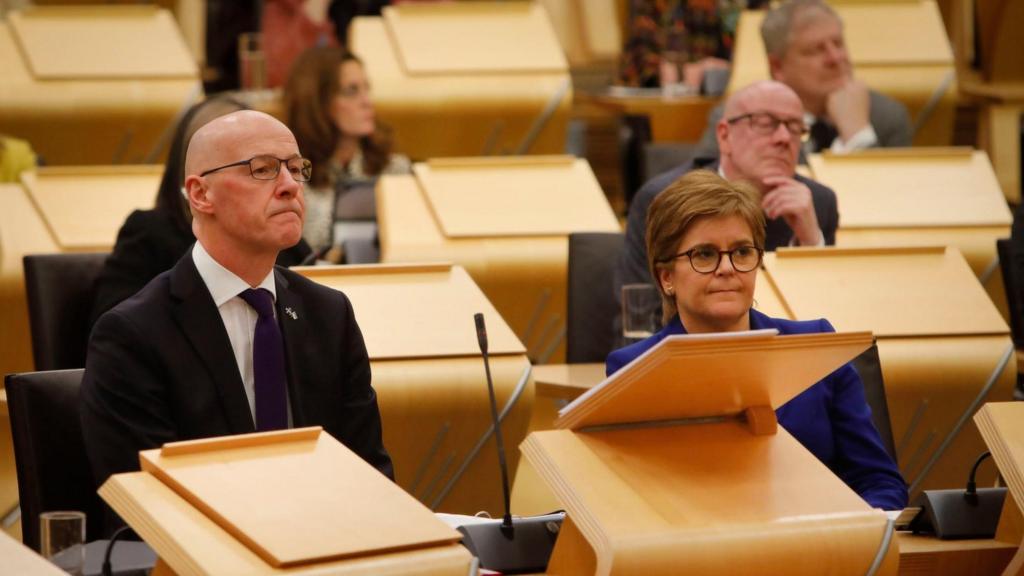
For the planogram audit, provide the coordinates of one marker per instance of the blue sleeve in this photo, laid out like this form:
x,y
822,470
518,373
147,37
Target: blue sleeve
x,y
860,457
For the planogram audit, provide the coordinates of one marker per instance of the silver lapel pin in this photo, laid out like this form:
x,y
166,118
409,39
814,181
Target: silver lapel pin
x,y
291,313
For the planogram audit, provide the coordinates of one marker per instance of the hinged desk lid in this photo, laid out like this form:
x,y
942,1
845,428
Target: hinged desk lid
x,y
101,42
889,291
417,311
296,496
515,196
913,187
698,376
85,206
474,37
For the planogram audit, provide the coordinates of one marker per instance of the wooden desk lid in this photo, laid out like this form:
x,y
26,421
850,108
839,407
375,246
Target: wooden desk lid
x,y
1002,427
698,376
101,42
913,187
889,291
515,196
474,37
85,206
417,311
296,496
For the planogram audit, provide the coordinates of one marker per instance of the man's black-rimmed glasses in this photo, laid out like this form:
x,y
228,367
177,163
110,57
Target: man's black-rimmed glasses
x,y
267,167
766,123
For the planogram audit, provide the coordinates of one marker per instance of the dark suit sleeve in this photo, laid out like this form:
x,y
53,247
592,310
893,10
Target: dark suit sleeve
x,y
861,460
891,122
124,406
360,425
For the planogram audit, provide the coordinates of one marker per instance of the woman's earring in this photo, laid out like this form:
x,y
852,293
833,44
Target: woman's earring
x,y
670,291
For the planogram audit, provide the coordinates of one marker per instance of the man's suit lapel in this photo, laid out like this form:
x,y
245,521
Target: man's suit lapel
x,y
291,316
201,324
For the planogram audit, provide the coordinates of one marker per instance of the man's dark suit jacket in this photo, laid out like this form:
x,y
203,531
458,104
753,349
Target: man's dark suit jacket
x,y
160,368
151,242
633,268
888,117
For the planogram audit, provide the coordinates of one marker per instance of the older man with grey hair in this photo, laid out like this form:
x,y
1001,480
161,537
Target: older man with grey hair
x,y
806,51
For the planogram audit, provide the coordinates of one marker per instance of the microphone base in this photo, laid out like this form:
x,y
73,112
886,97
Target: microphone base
x,y
527,551
951,516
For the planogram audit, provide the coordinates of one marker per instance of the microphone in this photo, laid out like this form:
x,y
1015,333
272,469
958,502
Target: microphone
x,y
510,547
481,338
951,514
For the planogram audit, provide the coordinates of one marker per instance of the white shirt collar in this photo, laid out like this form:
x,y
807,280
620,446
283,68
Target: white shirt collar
x,y
222,283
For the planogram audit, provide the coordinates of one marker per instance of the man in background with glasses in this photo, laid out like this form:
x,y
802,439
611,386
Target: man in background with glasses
x,y
225,342
806,50
759,137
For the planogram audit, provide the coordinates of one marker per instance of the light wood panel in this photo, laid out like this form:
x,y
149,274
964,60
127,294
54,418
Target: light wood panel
x,y
524,277
709,498
191,544
426,301
20,559
84,207
494,30
889,291
358,513
91,120
518,196
899,49
68,43
462,114
940,342
429,372
909,188
725,374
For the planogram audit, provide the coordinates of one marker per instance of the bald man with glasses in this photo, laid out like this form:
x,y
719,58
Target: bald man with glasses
x,y
759,138
226,342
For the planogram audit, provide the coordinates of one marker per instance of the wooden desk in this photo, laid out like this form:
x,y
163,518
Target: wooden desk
x,y
427,370
93,85
920,197
22,560
939,340
910,70
506,221
444,100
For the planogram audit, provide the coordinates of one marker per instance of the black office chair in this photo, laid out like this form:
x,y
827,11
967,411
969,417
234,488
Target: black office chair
x,y
870,369
49,453
1014,301
591,304
60,289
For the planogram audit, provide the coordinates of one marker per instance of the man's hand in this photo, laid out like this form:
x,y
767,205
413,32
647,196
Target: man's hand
x,y
848,108
791,200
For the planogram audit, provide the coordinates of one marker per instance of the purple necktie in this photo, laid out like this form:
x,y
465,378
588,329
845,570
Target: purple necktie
x,y
268,363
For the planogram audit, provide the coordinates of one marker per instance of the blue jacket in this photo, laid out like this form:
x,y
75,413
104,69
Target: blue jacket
x,y
831,418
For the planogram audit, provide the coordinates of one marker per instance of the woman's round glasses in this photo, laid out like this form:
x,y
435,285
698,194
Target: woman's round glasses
x,y
706,259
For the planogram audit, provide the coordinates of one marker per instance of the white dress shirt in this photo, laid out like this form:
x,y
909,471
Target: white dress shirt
x,y
238,316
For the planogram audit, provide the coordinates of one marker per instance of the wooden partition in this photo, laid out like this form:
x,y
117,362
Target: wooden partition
x,y
920,197
321,510
662,475
1002,426
54,210
418,325
94,84
898,48
460,79
506,220
944,348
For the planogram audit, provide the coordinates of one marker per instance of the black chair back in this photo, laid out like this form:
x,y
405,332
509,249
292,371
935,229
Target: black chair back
x,y
591,303
1012,285
60,289
870,369
49,453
